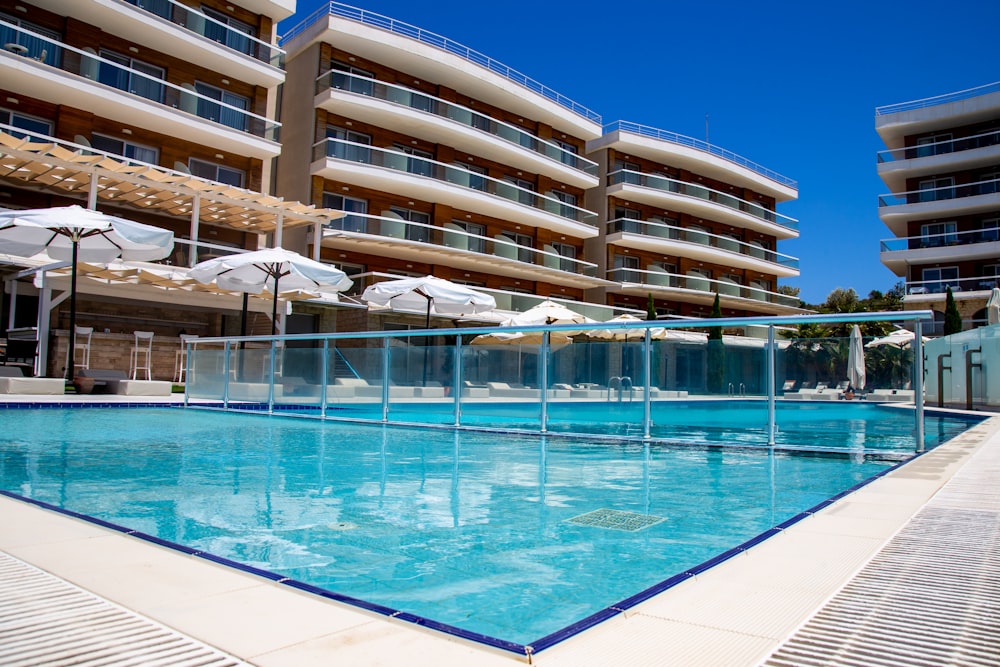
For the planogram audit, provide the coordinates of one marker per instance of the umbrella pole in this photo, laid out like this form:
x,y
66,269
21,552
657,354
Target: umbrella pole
x,y
274,307
70,361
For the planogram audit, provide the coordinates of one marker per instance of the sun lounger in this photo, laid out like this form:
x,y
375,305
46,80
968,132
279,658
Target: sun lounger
x,y
117,382
473,390
891,395
505,390
13,381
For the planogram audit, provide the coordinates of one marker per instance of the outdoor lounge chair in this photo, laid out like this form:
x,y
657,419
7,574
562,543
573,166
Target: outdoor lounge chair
x,y
117,382
14,381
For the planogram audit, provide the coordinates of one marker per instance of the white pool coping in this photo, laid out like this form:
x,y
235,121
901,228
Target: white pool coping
x,y
735,614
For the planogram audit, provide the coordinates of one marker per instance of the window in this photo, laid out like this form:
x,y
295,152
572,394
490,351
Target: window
x,y
934,189
131,75
627,269
348,151
627,220
623,166
43,50
474,244
159,7
925,145
938,279
29,123
418,164
990,230
236,36
349,223
938,234
230,117
342,80
569,253
415,232
473,179
525,242
525,194
126,149
989,183
568,207
216,172
568,153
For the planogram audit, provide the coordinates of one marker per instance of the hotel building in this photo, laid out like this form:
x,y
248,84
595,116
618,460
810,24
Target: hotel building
x,y
942,167
452,164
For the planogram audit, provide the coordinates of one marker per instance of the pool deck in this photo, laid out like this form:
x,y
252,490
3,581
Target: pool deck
x,y
738,613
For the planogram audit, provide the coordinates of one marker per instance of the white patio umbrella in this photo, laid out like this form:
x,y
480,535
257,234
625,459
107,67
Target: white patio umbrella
x,y
856,360
901,338
993,307
622,334
273,269
547,312
427,293
76,234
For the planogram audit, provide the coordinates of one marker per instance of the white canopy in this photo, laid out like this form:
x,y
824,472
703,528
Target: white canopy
x,y
423,294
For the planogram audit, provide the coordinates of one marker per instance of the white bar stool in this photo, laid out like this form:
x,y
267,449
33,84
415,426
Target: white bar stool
x,y
142,354
181,358
81,348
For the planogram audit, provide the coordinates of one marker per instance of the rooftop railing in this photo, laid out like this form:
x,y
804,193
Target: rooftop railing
x,y
698,144
986,235
698,283
958,96
415,99
940,147
215,30
943,193
435,40
701,192
660,230
454,175
89,65
453,236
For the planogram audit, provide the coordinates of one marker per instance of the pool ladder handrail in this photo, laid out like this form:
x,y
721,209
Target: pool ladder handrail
x,y
732,390
620,383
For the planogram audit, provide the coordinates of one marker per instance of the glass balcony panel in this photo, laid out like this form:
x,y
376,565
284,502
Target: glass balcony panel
x,y
696,282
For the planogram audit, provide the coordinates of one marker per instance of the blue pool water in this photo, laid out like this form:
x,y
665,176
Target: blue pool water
x,y
468,529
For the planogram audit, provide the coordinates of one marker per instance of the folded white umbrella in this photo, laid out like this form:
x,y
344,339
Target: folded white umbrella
x,y
273,269
993,307
856,360
75,234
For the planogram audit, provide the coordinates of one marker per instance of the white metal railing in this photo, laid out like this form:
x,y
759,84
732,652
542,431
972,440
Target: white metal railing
x,y
697,283
941,285
457,238
213,29
660,230
443,43
986,235
940,147
958,96
89,65
446,173
421,101
942,193
696,191
681,140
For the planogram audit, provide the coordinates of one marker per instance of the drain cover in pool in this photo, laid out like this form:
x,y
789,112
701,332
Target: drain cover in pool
x,y
616,520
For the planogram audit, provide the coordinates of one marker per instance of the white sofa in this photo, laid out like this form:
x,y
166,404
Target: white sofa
x,y
13,381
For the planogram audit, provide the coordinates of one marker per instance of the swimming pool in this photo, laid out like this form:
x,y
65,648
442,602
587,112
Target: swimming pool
x,y
513,537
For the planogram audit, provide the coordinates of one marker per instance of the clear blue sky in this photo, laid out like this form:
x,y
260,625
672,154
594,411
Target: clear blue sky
x,y
792,86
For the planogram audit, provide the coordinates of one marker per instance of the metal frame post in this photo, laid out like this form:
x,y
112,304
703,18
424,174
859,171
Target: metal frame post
x,y
456,379
543,380
270,383
324,378
771,384
918,383
647,384
385,379
225,376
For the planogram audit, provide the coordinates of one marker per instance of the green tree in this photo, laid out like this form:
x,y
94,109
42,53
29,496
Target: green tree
x,y
716,353
650,308
952,318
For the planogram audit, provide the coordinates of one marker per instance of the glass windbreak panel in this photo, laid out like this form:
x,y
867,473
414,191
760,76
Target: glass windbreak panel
x,y
354,384
421,377
206,377
298,378
500,382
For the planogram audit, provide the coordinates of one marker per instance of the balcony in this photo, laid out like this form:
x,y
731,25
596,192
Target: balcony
x,y
923,288
897,254
700,201
698,244
895,122
700,289
432,57
443,122
694,155
389,235
896,209
171,27
967,153
422,178
41,67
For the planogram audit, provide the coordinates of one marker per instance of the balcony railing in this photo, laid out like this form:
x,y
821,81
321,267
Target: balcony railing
x,y
940,194
701,192
446,173
422,102
698,144
215,30
453,236
88,64
940,147
435,40
966,94
698,283
989,235
940,286
670,232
